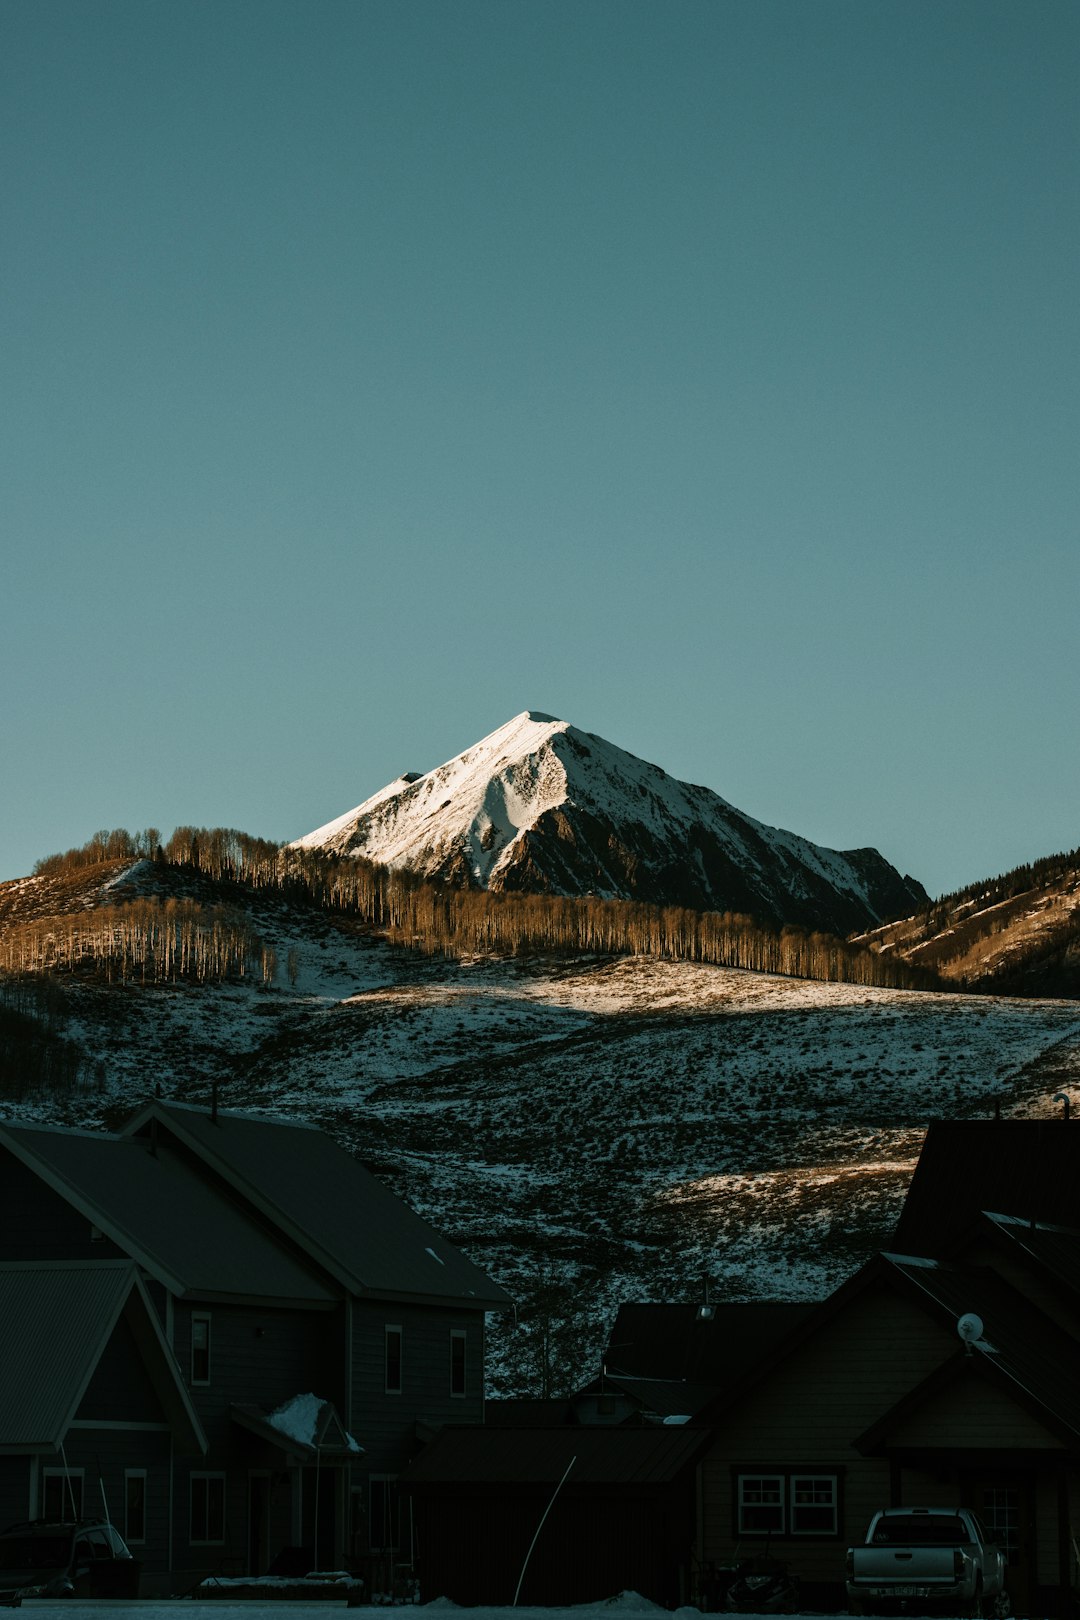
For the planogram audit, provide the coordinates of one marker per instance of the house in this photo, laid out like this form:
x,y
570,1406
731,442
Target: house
x,y
316,1324
90,1388
943,1373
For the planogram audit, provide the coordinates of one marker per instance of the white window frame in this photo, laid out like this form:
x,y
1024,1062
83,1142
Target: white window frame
x,y
459,1336
744,1506
833,1481
202,1316
208,1478
76,1476
394,1329
129,1535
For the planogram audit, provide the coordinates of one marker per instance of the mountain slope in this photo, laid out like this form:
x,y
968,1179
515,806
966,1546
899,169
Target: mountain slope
x,y
1018,934
541,807
590,1129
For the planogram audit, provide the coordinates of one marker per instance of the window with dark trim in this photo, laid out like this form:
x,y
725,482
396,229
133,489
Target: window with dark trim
x,y
207,1508
200,1349
457,1362
787,1502
394,1358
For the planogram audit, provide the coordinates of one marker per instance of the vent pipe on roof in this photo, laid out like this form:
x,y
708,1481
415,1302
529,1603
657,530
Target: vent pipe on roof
x,y
213,1104
1064,1101
997,1109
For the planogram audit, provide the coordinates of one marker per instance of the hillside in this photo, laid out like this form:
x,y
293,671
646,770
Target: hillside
x,y
541,807
590,1128
1018,934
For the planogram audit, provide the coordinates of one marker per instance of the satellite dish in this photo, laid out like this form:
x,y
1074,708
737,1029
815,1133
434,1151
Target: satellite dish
x,y
970,1327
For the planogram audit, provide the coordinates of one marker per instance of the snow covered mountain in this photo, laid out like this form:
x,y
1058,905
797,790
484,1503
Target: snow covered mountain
x,y
541,807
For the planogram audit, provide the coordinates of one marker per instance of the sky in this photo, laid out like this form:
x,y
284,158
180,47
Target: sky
x,y
702,372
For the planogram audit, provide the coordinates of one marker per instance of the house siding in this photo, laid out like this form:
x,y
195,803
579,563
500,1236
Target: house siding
x,y
971,1414
385,1424
806,1415
120,1388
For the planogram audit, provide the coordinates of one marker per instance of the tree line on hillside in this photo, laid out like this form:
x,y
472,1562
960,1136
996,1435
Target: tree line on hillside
x,y
35,1054
152,941
1040,874
462,922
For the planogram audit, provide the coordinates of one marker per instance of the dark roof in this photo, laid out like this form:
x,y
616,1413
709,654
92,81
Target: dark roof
x,y
678,1342
513,1413
663,1397
298,1178
1018,1344
601,1456
1030,1167
56,1319
1055,1249
156,1206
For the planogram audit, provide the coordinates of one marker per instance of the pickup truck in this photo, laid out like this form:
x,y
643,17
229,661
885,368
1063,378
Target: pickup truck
x,y
917,1558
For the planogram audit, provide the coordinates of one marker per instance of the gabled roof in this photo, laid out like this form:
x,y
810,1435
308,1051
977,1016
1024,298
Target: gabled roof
x,y
656,1397
679,1342
321,1198
56,1320
186,1231
1054,1249
1019,1346
601,1456
1030,1167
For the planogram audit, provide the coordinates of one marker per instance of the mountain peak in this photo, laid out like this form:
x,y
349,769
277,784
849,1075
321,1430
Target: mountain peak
x,y
538,806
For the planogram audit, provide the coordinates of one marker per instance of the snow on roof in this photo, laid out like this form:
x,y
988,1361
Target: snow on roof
x,y
299,1419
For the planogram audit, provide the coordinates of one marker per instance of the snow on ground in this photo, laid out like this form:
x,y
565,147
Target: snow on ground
x,y
626,1606
619,1127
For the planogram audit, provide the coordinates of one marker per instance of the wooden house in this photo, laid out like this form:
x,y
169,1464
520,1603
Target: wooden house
x,y
876,1399
90,1392
317,1323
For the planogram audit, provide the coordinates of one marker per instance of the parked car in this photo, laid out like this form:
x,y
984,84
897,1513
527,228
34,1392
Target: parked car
x,y
82,1559
920,1558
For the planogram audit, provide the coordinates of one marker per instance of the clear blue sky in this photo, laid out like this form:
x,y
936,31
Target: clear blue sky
x,y
705,374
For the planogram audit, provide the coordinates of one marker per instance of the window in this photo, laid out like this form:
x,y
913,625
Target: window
x,y
457,1362
813,1505
1001,1510
787,1503
200,1349
134,1504
207,1507
761,1504
62,1494
394,1356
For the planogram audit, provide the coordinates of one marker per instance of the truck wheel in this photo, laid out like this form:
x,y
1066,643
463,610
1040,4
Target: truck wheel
x,y
1001,1607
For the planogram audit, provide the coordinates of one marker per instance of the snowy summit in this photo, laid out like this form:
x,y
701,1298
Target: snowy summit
x,y
539,806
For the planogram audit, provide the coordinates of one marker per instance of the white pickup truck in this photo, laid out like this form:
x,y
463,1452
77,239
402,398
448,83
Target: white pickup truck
x,y
916,1558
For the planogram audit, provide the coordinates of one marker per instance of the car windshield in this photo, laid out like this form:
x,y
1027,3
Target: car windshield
x,y
35,1552
921,1530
